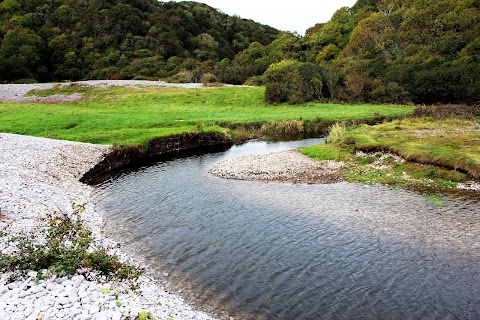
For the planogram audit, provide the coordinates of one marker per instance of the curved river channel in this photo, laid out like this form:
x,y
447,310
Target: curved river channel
x,y
284,251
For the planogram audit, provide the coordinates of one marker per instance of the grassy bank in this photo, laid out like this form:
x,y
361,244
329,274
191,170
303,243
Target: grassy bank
x,y
127,116
434,154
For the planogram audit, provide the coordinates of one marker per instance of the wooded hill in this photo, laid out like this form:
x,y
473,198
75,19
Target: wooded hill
x,y
425,51
51,40
422,51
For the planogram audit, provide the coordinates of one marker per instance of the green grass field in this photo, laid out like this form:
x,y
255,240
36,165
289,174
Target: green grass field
x,y
127,116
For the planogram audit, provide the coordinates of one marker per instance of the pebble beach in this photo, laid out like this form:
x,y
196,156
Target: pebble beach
x,y
40,176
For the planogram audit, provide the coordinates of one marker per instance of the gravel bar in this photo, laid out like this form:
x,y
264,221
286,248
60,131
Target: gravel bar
x,y
39,176
286,166
17,92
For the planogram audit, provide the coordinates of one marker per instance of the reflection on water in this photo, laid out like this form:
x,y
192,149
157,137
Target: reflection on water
x,y
282,251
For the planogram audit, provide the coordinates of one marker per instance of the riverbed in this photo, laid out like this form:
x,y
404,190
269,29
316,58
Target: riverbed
x,y
297,251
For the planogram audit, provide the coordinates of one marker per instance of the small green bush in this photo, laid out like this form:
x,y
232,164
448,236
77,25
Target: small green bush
x,y
65,250
208,78
293,82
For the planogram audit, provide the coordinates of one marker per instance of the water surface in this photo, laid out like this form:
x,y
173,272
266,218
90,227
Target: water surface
x,y
283,251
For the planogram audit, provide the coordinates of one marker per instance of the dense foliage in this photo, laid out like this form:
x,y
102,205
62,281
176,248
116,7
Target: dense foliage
x,y
425,51
422,51
47,40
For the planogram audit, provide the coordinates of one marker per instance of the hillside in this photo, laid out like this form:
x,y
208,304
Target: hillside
x,y
51,40
422,51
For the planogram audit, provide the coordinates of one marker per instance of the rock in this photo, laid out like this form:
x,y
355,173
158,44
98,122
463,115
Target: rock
x,y
75,312
85,300
32,274
77,280
116,315
68,283
24,293
63,300
94,309
6,295
12,285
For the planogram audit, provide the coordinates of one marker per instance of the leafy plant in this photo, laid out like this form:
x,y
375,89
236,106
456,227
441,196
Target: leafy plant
x,y
63,248
144,315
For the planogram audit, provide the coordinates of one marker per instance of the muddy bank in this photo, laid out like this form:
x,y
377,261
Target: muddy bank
x,y
163,148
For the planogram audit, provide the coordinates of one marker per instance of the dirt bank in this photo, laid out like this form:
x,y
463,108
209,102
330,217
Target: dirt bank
x,y
127,158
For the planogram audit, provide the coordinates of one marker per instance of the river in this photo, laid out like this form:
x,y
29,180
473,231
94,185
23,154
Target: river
x,y
287,251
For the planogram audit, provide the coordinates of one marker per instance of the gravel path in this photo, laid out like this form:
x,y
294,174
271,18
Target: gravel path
x,y
16,92
287,166
38,176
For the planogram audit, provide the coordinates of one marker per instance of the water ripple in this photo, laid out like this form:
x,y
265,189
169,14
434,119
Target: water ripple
x,y
342,251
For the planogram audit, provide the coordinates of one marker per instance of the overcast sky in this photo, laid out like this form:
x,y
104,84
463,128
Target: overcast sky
x,y
296,15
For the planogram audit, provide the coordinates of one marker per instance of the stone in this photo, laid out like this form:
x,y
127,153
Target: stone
x,y
3,289
60,280
6,295
24,294
85,300
78,279
68,283
116,315
12,285
28,311
94,309
63,300
75,312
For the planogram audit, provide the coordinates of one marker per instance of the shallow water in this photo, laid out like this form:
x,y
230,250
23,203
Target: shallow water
x,y
282,251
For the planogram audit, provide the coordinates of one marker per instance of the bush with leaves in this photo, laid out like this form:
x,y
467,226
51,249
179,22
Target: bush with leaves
x,y
294,82
63,248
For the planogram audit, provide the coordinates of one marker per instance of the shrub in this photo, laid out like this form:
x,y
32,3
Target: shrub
x,y
208,78
293,82
255,81
66,248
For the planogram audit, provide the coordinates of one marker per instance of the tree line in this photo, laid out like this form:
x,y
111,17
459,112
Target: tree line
x,y
389,51
55,40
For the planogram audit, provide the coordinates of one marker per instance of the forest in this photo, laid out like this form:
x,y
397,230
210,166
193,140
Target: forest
x,y
385,51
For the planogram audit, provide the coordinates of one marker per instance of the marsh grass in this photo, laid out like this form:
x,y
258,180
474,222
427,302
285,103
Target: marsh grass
x,y
439,154
127,116
450,143
337,133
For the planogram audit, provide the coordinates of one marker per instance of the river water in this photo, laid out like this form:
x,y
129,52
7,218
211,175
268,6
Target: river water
x,y
284,251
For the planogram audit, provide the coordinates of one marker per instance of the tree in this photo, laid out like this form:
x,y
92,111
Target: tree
x,y
20,54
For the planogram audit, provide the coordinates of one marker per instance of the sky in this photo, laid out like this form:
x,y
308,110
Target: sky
x,y
296,15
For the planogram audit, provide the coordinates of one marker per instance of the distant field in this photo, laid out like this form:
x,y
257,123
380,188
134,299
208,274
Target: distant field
x,y
128,115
